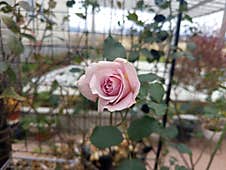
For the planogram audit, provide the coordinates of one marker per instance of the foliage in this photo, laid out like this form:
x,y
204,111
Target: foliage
x,y
142,127
106,136
113,49
205,72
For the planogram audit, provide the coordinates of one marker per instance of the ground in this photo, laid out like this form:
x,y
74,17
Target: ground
x,y
196,145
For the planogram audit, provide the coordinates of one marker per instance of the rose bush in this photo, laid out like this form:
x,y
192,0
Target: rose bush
x,y
114,84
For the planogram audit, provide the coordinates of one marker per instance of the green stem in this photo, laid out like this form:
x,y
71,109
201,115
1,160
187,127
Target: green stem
x,y
111,118
219,142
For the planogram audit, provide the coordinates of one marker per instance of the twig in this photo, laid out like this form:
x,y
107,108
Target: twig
x,y
192,162
184,160
123,117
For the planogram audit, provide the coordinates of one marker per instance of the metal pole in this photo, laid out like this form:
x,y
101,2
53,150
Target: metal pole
x,y
172,69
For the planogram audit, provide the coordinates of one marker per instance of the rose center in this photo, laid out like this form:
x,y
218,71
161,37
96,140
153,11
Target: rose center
x,y
111,85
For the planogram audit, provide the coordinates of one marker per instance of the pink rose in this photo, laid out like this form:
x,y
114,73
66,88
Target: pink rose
x,y
115,84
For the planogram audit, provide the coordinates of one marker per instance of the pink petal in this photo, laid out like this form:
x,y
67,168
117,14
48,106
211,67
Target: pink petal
x,y
131,75
100,67
83,86
125,89
123,104
95,86
102,104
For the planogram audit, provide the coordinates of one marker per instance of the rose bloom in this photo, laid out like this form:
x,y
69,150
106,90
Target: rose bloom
x,y
114,84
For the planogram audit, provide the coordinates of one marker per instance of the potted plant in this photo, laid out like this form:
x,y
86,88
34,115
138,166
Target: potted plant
x,y
214,119
186,125
212,129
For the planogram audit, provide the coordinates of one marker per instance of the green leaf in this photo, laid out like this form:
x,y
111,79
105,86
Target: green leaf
x,y
11,74
106,136
188,18
159,18
211,111
12,94
191,46
162,36
70,3
15,45
54,100
140,4
145,52
144,90
28,36
148,38
81,15
54,85
149,77
159,109
142,127
182,148
75,70
6,7
184,7
172,160
3,67
178,167
162,3
131,164
134,56
27,67
132,16
189,55
156,54
157,92
169,132
113,49
11,24
178,54
186,54
25,5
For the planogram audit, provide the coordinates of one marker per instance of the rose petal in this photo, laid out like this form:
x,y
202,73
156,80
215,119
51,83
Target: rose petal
x,y
83,82
95,87
131,75
111,85
102,104
124,89
83,86
123,104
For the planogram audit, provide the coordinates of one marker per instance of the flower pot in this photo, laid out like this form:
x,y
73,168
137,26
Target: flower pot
x,y
5,146
212,135
186,126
